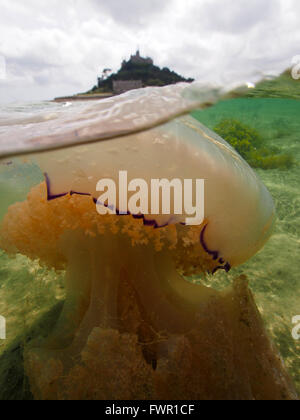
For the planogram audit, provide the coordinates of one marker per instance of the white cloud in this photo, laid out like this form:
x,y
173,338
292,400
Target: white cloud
x,y
230,16
132,12
59,47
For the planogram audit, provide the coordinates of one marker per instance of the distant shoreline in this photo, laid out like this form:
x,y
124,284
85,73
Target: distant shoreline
x,y
83,98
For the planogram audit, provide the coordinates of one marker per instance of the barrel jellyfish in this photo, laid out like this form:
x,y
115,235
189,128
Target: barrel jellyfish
x,y
133,326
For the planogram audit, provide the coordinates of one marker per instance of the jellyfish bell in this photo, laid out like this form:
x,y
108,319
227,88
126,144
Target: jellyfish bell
x,y
238,209
132,326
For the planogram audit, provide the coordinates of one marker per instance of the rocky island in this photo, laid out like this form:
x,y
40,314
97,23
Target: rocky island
x,y
135,73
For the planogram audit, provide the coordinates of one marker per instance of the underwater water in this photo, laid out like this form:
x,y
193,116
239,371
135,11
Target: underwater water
x,y
274,273
30,294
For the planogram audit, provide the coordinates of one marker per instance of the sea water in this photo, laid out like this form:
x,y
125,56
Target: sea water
x,y
274,273
31,294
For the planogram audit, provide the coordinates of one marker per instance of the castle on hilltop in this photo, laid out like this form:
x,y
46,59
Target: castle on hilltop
x,y
137,59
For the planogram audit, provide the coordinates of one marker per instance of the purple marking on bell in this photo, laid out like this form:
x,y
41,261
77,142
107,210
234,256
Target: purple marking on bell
x,y
215,254
49,195
79,193
226,267
151,222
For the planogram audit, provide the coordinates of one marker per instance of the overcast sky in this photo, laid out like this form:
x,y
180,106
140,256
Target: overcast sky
x,y
58,47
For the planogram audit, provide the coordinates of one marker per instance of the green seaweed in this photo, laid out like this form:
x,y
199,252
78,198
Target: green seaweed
x,y
249,144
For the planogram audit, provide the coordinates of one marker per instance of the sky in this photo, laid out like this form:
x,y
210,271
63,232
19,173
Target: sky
x,y
52,48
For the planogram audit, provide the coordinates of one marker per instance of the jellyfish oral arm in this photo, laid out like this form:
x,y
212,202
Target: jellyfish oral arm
x,y
130,318
113,285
